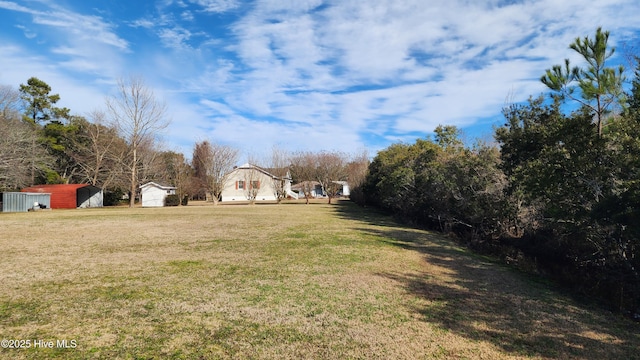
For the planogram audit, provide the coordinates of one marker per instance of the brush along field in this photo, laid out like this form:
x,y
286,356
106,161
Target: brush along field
x,y
287,281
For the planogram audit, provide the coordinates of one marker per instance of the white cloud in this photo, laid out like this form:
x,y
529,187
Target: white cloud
x,y
314,74
258,136
76,26
80,96
473,55
187,16
67,42
143,23
217,6
218,108
28,33
175,38
9,5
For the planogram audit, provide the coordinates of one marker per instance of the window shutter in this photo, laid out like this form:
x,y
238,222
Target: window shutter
x,y
236,185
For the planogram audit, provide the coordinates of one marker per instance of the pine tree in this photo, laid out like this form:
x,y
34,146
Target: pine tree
x,y
600,87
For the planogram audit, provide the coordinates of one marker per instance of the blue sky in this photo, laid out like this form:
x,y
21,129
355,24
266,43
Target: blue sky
x,y
305,74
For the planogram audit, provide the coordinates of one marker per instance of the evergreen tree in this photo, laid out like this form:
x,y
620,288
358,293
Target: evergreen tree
x,y
39,104
634,97
600,86
39,108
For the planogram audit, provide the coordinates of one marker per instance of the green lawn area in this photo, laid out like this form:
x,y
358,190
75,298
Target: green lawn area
x,y
289,281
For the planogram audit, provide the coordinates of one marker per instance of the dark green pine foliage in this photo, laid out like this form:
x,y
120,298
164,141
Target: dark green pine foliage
x,y
48,121
60,139
39,104
634,97
596,86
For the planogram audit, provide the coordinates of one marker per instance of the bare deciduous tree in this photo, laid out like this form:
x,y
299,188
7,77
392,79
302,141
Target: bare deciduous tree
x,y
357,170
331,168
212,164
9,102
138,116
303,171
252,183
98,151
150,166
18,151
176,171
279,168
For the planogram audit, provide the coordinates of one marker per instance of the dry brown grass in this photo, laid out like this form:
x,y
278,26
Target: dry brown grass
x,y
276,281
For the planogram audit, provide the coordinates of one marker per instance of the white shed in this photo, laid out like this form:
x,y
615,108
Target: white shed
x,y
345,188
153,194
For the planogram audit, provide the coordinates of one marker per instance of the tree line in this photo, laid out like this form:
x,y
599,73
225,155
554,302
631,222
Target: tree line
x,y
213,162
116,148
557,193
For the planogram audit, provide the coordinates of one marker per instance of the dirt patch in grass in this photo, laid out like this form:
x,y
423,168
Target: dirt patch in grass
x,y
276,281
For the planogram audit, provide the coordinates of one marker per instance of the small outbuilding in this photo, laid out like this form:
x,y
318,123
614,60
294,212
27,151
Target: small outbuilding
x,y
70,196
153,194
23,202
314,188
344,191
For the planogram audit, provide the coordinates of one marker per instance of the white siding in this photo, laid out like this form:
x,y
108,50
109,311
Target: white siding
x,y
231,192
153,194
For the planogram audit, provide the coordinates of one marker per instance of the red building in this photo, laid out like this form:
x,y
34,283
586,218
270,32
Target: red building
x,y
70,196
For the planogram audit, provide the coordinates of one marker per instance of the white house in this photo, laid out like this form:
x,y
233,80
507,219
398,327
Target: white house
x,y
252,183
153,195
317,191
345,188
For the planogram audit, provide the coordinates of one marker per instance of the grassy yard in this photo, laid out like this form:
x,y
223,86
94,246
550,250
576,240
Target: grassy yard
x,y
287,281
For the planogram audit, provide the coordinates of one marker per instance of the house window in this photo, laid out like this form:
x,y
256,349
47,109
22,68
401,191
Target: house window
x,y
240,185
168,191
255,184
